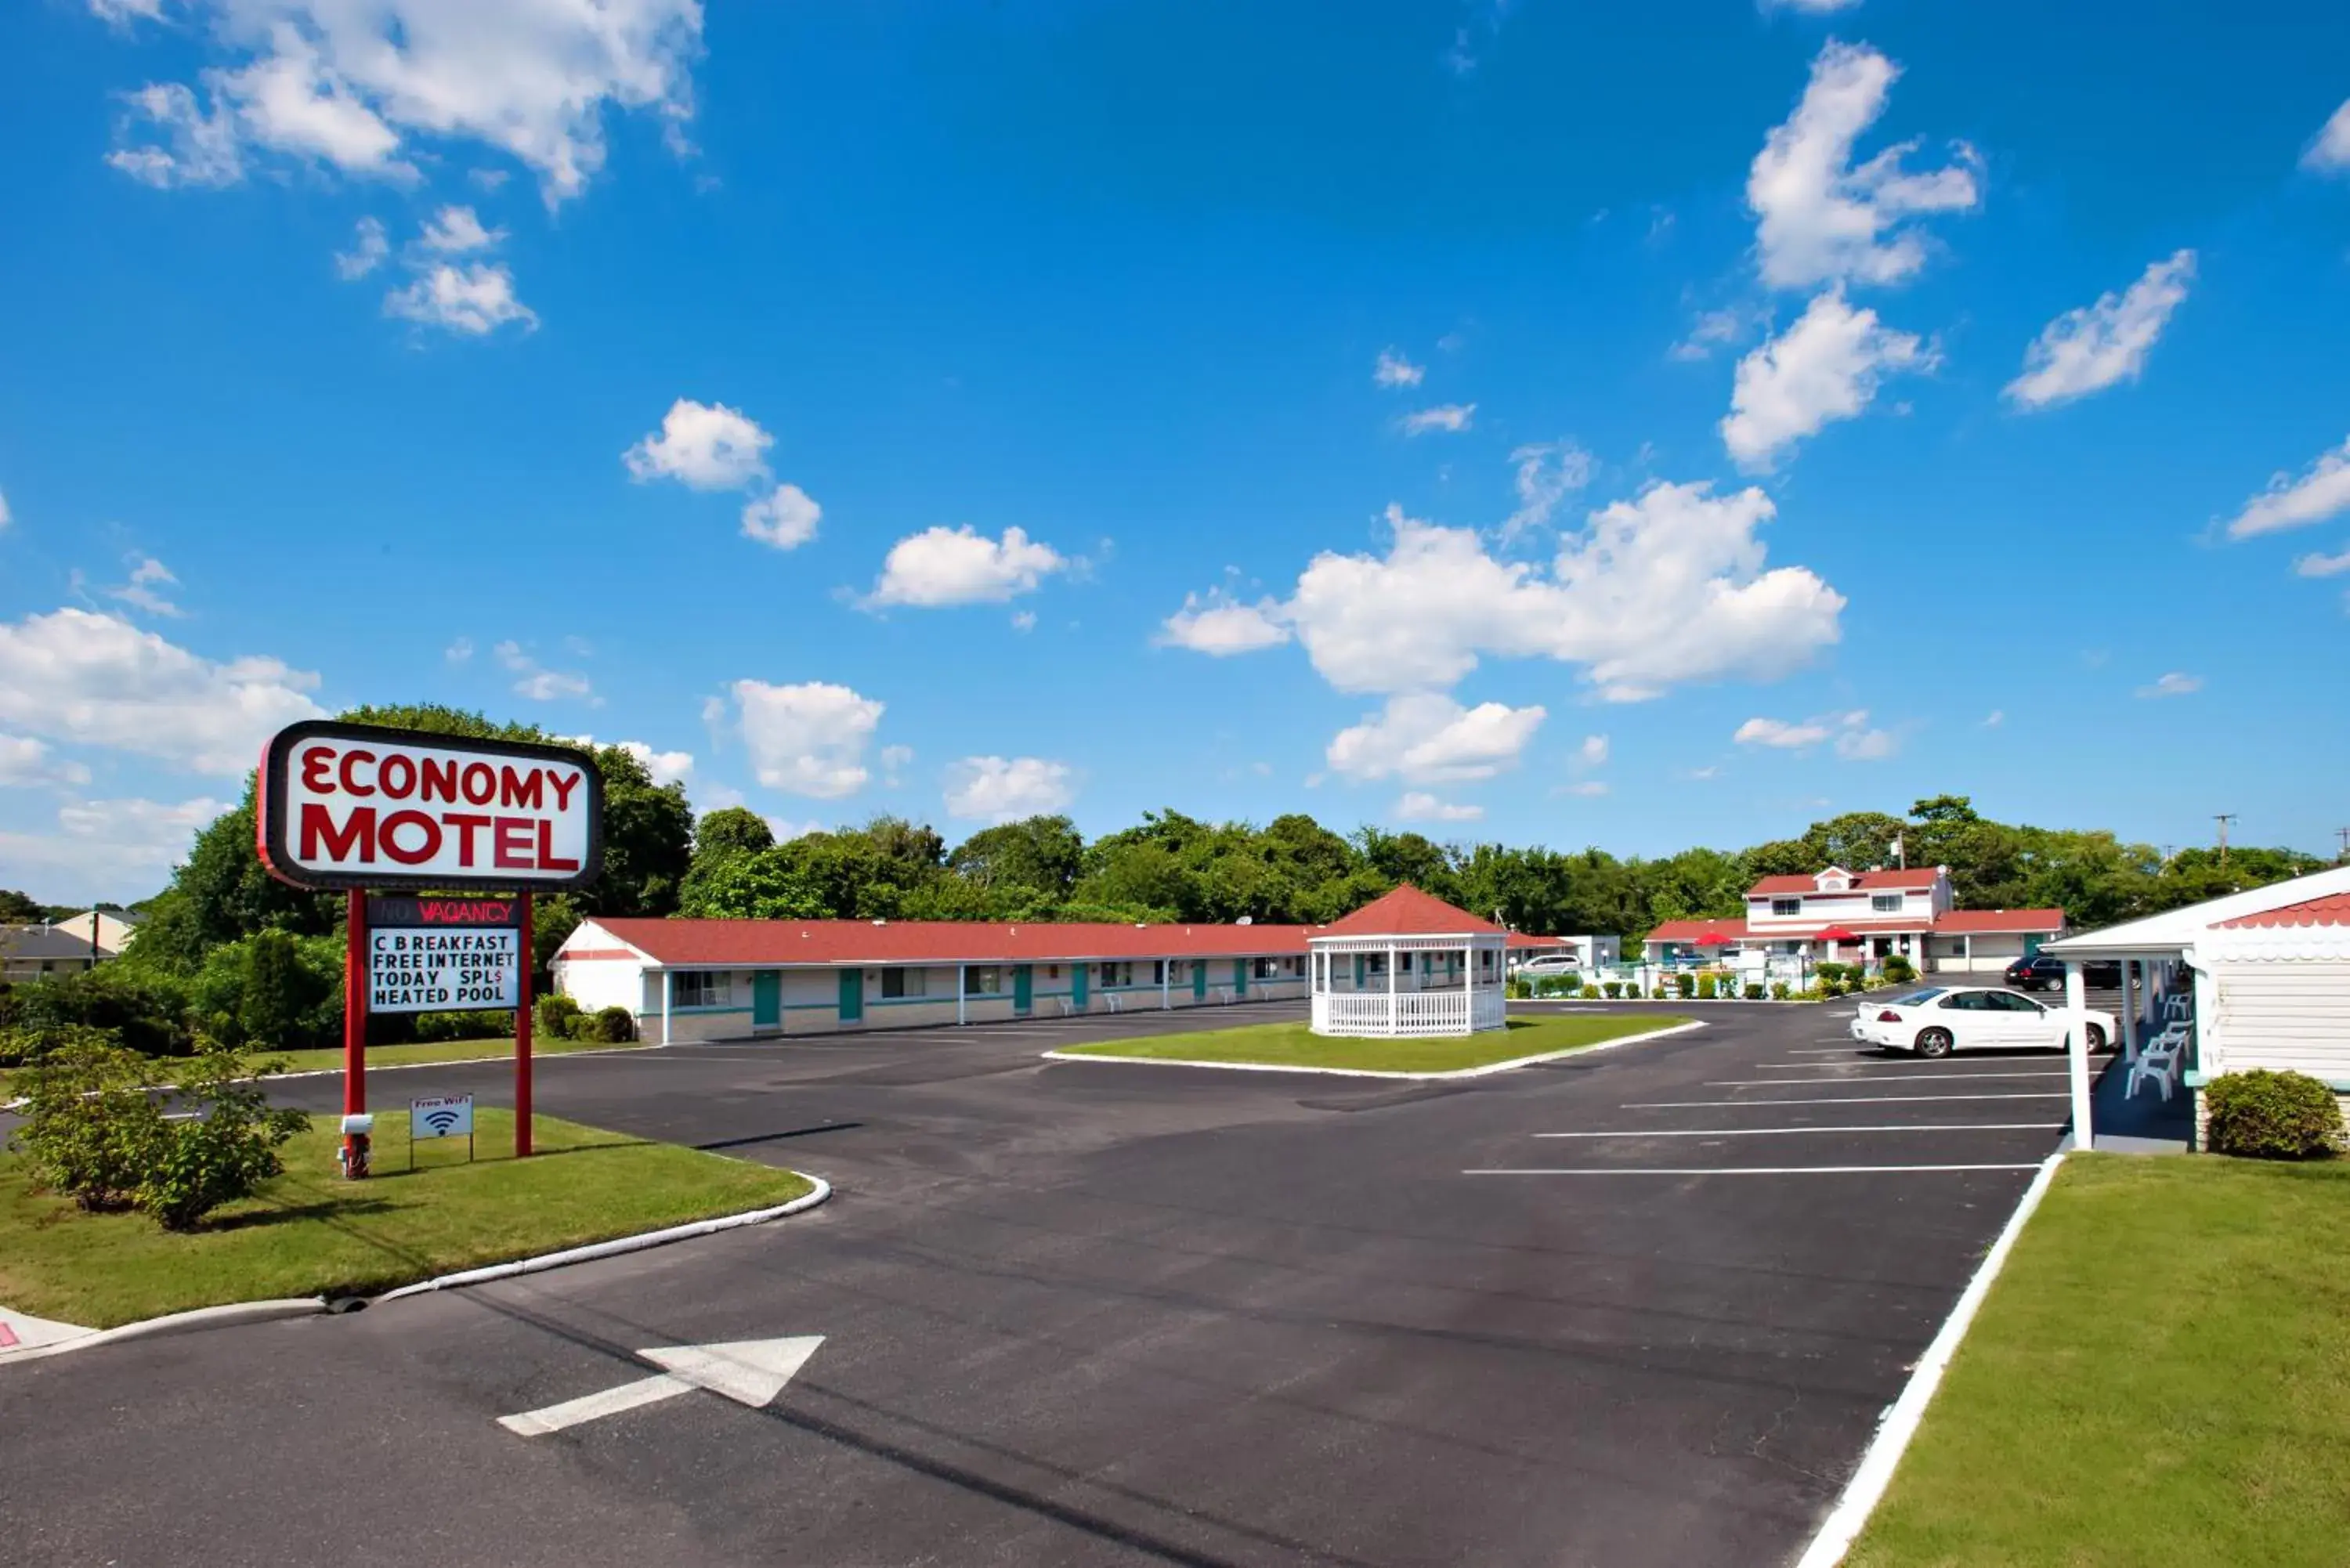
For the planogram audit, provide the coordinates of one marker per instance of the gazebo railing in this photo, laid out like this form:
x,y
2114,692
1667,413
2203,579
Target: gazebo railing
x,y
1409,1013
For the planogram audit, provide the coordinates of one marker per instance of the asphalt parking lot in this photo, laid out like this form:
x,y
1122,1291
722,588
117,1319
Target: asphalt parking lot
x,y
1640,1306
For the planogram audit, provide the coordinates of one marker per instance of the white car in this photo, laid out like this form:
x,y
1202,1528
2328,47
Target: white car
x,y
1942,1019
1549,963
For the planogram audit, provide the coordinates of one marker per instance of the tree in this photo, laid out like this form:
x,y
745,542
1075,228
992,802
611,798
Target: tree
x,y
765,885
1042,854
20,908
731,830
648,840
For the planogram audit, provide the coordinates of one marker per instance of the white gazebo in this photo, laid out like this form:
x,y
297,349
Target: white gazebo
x,y
1407,963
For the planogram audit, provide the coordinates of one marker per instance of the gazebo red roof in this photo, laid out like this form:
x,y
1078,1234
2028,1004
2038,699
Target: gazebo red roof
x,y
1408,912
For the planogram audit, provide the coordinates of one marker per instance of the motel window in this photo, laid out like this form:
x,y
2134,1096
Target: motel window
x,y
1117,974
904,982
1159,972
1266,969
1786,906
706,990
982,980
1885,903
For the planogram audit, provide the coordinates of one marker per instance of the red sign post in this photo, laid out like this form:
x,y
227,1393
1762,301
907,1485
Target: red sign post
x,y
356,806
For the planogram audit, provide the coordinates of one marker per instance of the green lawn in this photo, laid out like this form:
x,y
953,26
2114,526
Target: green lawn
x,y
310,1232
1296,1046
499,1045
2161,1376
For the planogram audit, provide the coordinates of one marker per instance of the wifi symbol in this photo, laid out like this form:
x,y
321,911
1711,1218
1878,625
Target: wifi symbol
x,y
441,1121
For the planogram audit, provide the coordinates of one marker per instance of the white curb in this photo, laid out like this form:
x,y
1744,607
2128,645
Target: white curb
x,y
176,1323
613,1248
1489,1067
1899,1423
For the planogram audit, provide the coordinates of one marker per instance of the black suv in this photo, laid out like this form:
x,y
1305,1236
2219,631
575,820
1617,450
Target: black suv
x,y
2044,971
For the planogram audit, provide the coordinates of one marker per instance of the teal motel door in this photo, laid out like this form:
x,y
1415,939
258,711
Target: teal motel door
x,y
1239,977
766,998
1024,989
852,996
1078,975
1198,980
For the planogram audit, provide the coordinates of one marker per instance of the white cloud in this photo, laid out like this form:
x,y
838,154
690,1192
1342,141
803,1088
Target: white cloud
x,y
117,849
1419,805
894,760
1819,218
1664,589
1001,789
1825,367
459,651
1453,416
1713,330
453,231
808,739
2176,683
1589,789
1394,370
2331,150
24,761
122,12
666,768
541,684
1219,624
370,245
2089,349
785,518
706,445
361,87
941,565
2290,503
2318,566
1593,752
5,517
1853,739
1547,472
1812,7
1425,737
146,574
96,680
1024,620
475,299
1997,717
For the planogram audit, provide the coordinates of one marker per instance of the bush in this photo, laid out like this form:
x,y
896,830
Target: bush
x,y
142,1011
1779,991
1518,988
1660,993
1686,983
1754,992
1705,988
1590,994
478,1025
224,1151
557,1017
1899,970
612,1026
2262,1114
1829,973
91,1128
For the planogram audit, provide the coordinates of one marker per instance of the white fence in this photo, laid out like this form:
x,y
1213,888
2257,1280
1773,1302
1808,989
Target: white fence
x,y
1409,1013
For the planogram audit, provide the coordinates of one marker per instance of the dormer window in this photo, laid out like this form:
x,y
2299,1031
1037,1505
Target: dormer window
x,y
1834,880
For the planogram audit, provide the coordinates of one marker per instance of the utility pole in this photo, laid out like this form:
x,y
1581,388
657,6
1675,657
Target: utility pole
x,y
2343,833
2223,819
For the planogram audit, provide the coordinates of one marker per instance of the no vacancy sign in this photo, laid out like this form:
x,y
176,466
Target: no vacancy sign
x,y
440,955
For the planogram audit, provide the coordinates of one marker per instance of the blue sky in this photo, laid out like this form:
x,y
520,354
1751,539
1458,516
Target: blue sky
x,y
1631,426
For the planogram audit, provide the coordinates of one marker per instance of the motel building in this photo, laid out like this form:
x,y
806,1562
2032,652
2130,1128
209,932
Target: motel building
x,y
1837,915
1407,962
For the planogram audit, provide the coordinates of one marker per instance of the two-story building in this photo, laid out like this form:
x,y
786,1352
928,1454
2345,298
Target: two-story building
x,y
1862,916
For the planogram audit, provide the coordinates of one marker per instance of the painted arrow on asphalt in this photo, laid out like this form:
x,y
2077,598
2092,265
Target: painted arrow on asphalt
x,y
748,1371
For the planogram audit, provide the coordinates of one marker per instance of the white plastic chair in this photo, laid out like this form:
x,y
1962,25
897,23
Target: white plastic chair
x,y
2177,1007
2159,1062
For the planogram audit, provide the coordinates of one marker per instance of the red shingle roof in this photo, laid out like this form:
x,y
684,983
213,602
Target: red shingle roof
x,y
1407,912
2332,909
760,943
1917,877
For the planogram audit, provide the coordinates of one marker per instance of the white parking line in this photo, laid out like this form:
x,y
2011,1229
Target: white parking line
x,y
1898,1064
1779,1132
1746,1170
1842,1100
1897,1077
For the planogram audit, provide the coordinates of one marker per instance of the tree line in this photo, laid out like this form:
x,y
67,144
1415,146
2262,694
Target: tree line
x,y
228,953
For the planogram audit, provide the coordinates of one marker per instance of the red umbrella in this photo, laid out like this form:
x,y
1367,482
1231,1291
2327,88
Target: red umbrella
x,y
1711,940
1839,934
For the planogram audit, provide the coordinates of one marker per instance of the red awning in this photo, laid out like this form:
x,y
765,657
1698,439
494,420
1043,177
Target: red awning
x,y
1837,934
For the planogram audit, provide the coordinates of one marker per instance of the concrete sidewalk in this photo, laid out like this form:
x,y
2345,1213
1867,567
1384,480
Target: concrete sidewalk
x,y
23,1331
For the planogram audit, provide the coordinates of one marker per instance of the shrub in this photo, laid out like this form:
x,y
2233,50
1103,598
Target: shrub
x,y
142,1011
1660,993
1590,994
90,1126
1779,991
1754,992
1518,988
479,1025
557,1017
1899,970
1686,983
2262,1114
612,1026
1705,988
224,1151
1829,973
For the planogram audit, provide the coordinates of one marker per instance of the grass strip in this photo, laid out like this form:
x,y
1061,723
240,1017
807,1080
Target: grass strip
x,y
1296,1045
2161,1375
310,1232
